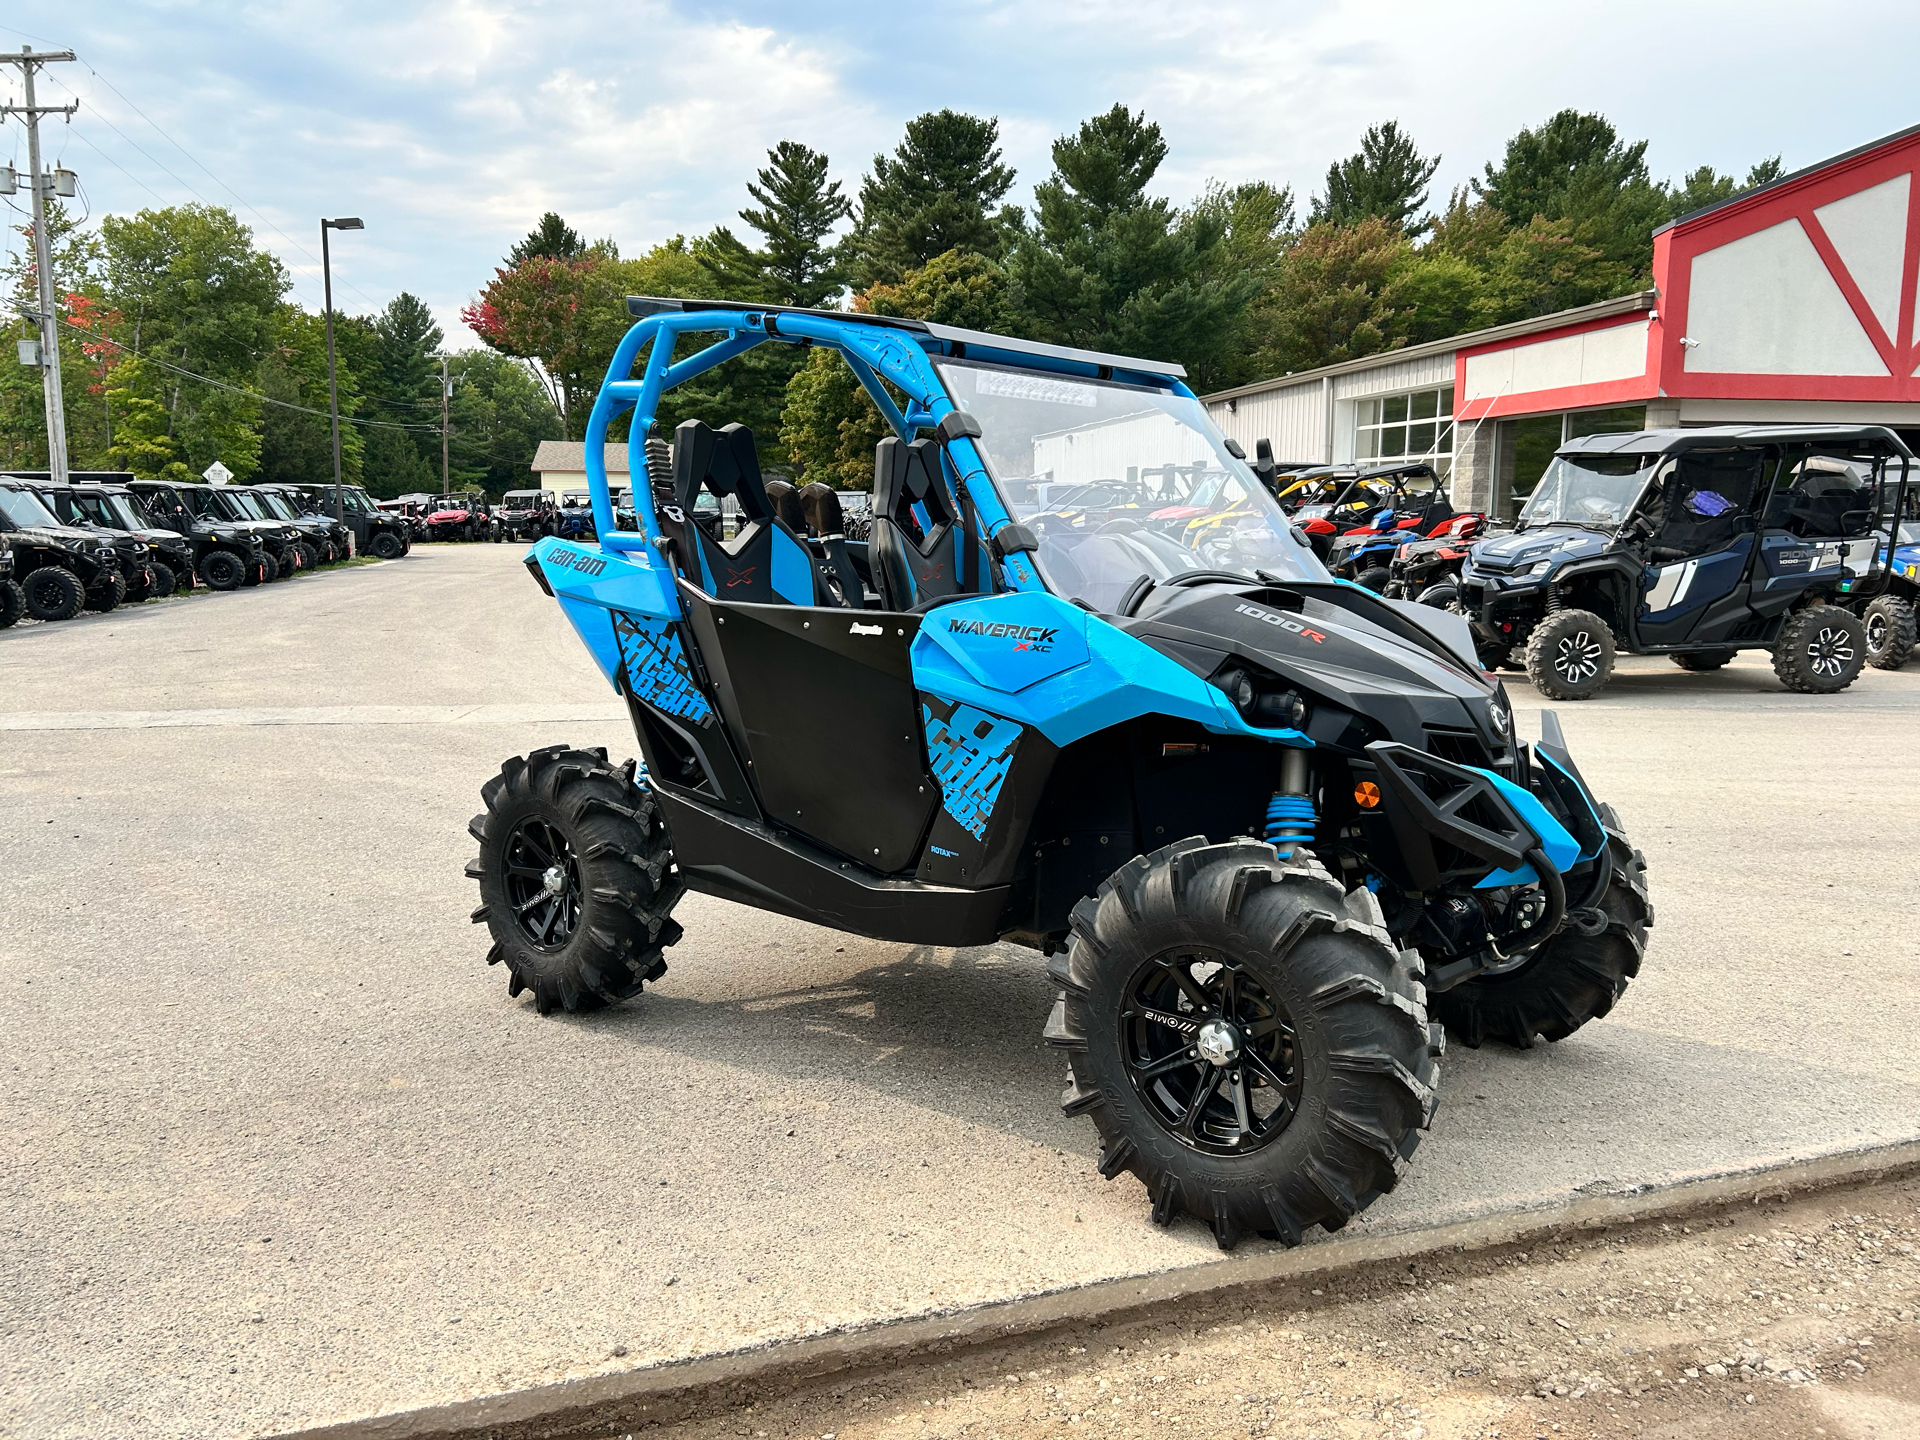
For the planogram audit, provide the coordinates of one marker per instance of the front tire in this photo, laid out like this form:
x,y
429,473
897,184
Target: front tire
x,y
309,556
1570,655
1889,624
223,570
109,596
54,593
1374,578
1245,1037
385,546
577,885
1442,596
1574,977
13,604
165,582
1821,650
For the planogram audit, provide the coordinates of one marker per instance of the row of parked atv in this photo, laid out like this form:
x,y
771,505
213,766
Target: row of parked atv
x,y
103,539
520,515
1696,544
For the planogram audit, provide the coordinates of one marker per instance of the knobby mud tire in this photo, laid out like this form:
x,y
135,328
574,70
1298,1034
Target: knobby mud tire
x,y
54,593
222,570
1570,655
165,582
13,604
1366,1058
1889,623
1821,650
109,596
1573,978
627,884
384,546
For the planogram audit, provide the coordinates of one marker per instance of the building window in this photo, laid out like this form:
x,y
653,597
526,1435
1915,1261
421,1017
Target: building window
x,y
1415,426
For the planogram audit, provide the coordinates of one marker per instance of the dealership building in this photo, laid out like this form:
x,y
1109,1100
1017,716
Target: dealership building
x,y
1793,302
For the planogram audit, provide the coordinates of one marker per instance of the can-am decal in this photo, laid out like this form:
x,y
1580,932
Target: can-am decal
x,y
588,565
1285,622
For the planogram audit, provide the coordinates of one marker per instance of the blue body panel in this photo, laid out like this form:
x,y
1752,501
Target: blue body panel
x,y
1560,847
1093,676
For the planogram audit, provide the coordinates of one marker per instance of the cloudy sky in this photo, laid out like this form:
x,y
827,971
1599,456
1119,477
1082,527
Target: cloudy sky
x,y
450,125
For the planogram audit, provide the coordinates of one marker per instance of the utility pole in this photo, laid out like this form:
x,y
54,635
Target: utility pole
x,y
348,222
49,319
446,390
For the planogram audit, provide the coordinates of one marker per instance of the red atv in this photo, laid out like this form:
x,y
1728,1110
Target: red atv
x,y
1428,570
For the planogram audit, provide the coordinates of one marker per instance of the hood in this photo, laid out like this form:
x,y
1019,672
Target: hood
x,y
1530,547
1369,656
71,536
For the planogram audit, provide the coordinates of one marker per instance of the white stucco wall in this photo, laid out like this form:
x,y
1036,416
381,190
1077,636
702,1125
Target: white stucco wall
x,y
1765,305
1593,357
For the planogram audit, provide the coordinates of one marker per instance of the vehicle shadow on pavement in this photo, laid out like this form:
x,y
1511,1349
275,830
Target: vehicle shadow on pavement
x,y
957,1031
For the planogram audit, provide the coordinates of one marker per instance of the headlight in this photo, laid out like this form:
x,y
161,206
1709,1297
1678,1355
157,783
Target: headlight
x,y
1500,712
1542,568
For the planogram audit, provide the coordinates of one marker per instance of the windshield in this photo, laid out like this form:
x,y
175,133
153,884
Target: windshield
x,y
276,508
96,511
1120,483
246,507
1593,490
24,509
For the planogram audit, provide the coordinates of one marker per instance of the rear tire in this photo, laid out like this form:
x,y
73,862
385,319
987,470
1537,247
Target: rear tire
x,y
1573,978
1306,1123
13,604
223,570
577,885
385,545
1889,623
1570,655
54,593
1703,660
109,596
1821,650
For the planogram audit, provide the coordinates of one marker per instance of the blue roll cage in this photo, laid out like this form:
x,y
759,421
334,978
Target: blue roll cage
x,y
872,348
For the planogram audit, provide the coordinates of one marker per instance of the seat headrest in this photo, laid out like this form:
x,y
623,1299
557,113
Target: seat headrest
x,y
821,504
723,462
785,501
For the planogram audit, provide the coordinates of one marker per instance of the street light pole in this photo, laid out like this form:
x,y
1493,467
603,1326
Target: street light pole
x,y
350,222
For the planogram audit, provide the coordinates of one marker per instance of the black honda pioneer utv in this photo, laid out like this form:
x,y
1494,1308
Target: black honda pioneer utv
x,y
62,568
147,555
375,532
1695,544
524,515
1264,823
225,556
132,554
118,508
323,540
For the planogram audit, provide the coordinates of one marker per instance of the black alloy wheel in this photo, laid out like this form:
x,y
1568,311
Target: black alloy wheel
x,y
1210,1053
1830,652
543,883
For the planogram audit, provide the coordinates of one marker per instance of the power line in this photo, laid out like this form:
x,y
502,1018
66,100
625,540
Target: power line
x,y
95,73
237,390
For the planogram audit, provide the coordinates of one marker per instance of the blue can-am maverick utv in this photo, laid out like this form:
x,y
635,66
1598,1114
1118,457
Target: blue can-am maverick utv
x,y
1245,808
1695,544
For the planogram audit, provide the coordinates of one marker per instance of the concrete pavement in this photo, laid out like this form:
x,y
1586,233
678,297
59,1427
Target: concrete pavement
x,y
279,1151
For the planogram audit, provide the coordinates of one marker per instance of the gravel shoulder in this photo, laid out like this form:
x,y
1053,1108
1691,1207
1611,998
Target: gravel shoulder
x,y
1790,1319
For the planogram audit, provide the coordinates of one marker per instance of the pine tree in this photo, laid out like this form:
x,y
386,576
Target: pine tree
x,y
406,379
937,193
1109,268
1387,179
552,238
799,207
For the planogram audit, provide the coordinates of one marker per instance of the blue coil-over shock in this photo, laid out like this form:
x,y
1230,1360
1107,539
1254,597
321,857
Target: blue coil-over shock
x,y
1290,814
